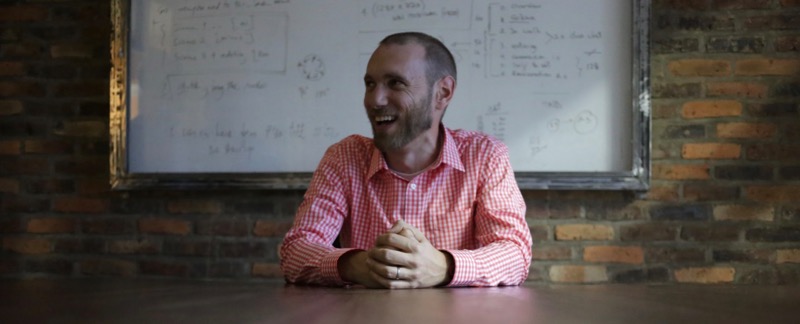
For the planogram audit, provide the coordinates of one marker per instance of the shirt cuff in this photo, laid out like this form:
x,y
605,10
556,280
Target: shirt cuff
x,y
466,269
329,267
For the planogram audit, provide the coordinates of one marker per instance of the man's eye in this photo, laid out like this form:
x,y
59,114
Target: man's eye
x,y
369,84
396,84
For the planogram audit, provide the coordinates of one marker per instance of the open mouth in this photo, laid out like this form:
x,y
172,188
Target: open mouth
x,y
384,120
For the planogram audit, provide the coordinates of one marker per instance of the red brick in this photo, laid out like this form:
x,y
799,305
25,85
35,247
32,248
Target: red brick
x,y
773,193
762,213
777,152
90,187
648,232
22,13
171,269
664,111
706,275
554,210
700,67
81,89
614,254
228,227
710,233
132,247
21,89
80,205
10,266
787,44
49,186
681,172
49,266
109,267
106,226
10,147
584,232
24,245
50,225
10,107
10,225
191,248
9,186
81,51
709,192
755,67
772,21
663,150
741,4
165,226
21,51
24,204
578,274
82,129
272,228
28,166
788,256
663,192
47,147
541,253
746,130
675,255
711,151
88,166
737,89
267,270
194,207
681,4
710,109
10,69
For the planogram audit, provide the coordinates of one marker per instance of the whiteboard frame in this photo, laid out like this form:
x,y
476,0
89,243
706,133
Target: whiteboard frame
x,y
121,178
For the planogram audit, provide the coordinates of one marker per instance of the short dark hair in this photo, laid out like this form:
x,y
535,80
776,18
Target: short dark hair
x,y
438,58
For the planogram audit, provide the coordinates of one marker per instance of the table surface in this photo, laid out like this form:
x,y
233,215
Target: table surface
x,y
139,301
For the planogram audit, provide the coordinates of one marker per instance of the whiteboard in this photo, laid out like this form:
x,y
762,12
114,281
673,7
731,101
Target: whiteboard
x,y
253,86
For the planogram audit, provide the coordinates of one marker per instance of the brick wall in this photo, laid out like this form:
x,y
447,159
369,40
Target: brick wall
x,y
724,205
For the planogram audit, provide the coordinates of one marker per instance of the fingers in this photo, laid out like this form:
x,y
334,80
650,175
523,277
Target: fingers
x,y
397,241
417,234
402,228
398,226
390,257
405,232
392,283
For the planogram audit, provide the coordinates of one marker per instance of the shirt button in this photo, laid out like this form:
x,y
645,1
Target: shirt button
x,y
413,186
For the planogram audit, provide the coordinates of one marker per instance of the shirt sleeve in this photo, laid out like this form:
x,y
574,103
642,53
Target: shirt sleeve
x,y
504,255
307,253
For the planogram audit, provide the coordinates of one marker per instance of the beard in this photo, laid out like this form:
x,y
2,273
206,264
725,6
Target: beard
x,y
414,122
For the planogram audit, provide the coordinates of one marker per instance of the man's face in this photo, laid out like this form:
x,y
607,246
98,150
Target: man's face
x,y
397,96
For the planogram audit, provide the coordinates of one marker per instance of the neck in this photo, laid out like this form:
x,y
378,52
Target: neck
x,y
417,155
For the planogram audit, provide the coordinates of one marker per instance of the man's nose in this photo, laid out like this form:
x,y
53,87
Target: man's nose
x,y
376,97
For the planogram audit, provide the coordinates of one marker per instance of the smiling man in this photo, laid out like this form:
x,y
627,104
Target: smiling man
x,y
419,205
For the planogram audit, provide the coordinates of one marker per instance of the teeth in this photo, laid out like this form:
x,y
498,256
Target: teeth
x,y
383,118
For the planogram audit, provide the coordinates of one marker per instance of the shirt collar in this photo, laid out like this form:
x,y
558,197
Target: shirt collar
x,y
449,155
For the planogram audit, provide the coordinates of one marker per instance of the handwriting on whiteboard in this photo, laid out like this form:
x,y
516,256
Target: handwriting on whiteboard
x,y
243,140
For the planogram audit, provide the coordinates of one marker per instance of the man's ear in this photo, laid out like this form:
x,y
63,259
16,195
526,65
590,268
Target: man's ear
x,y
444,91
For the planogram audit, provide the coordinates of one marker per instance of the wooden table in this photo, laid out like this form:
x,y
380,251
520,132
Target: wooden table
x,y
157,301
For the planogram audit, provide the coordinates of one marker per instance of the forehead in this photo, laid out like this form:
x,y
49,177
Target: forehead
x,y
406,59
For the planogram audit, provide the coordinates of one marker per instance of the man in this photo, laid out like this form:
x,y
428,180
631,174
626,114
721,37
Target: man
x,y
419,205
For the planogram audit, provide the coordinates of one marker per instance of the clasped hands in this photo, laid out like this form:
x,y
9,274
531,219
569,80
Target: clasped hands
x,y
401,258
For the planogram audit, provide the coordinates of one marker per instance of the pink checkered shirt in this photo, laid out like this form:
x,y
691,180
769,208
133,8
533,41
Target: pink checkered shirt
x,y
467,204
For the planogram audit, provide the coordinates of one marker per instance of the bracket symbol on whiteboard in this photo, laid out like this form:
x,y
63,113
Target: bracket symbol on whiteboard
x,y
312,67
584,122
